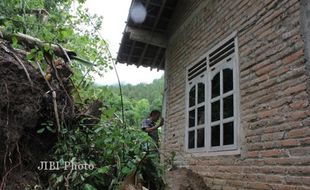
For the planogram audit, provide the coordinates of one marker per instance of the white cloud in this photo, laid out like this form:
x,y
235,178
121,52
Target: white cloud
x,y
115,14
129,75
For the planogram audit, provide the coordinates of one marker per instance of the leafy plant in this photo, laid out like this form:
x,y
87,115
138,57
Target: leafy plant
x,y
114,147
115,152
48,125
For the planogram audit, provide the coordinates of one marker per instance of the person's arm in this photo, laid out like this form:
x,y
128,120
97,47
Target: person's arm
x,y
160,124
149,129
146,126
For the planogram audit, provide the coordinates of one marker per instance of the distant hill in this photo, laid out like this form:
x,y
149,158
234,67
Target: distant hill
x,y
152,92
139,99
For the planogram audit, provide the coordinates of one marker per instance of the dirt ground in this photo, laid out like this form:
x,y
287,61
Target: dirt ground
x,y
185,179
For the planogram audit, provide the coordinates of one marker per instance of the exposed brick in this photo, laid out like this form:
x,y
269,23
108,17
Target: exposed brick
x,y
293,57
274,107
294,161
301,151
274,178
287,187
253,139
298,133
219,181
265,69
273,153
217,187
272,136
252,154
229,188
255,185
298,115
295,89
289,142
268,113
279,71
299,170
235,183
299,104
293,180
305,141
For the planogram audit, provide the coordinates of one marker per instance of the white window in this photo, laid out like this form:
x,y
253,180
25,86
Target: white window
x,y
213,100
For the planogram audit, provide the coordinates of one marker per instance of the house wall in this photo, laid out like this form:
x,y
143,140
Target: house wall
x,y
274,106
305,31
184,9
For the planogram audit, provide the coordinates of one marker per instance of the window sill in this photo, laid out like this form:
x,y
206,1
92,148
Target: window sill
x,y
204,153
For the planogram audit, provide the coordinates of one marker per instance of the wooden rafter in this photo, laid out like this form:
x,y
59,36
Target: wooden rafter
x,y
147,37
156,57
154,26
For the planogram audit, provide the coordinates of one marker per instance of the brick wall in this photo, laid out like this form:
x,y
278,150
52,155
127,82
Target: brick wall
x,y
183,10
305,28
274,110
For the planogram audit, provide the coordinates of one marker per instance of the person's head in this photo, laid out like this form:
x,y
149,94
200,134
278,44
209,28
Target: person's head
x,y
155,115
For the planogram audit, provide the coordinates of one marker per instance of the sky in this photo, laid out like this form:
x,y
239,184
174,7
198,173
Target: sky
x,y
115,13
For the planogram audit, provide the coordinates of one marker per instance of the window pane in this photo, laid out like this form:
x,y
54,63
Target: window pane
x,y
216,85
192,96
215,135
200,138
215,112
201,93
228,84
201,115
228,133
229,106
191,118
191,139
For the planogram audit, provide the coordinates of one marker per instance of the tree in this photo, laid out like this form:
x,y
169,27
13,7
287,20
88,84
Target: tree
x,y
113,147
57,22
141,99
142,110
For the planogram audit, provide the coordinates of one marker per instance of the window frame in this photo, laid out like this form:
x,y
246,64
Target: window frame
x,y
233,64
194,82
224,64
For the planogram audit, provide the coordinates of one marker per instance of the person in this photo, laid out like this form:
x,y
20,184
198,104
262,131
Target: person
x,y
149,124
150,170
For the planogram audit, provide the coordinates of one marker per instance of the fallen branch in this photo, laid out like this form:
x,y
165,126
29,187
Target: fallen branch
x,y
54,97
65,53
56,111
31,42
49,61
37,11
43,75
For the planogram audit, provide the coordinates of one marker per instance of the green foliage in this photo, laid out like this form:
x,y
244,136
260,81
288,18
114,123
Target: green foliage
x,y
152,92
114,147
140,99
115,151
47,126
73,28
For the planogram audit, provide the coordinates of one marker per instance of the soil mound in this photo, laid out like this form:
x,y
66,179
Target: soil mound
x,y
26,102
